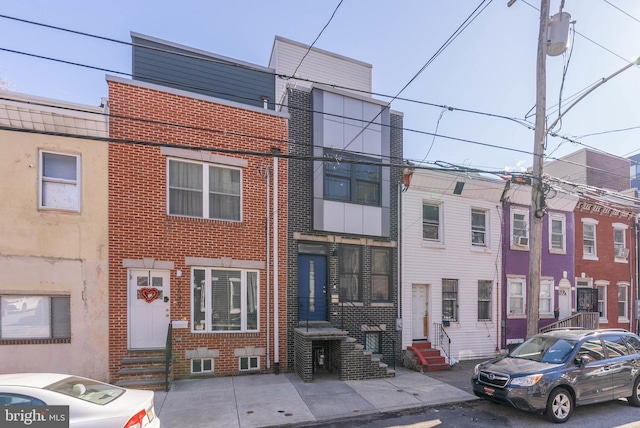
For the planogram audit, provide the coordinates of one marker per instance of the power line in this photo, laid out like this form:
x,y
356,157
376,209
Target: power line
x,y
257,137
450,40
319,34
616,7
516,120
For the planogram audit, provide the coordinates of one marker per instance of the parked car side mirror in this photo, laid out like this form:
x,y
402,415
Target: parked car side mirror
x,y
582,360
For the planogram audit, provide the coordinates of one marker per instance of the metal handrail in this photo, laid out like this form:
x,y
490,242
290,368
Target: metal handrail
x,y
440,342
370,321
167,357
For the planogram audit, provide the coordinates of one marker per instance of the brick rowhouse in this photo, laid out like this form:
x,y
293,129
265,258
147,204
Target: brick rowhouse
x,y
140,227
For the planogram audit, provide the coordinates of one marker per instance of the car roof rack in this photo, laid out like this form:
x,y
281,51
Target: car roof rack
x,y
607,330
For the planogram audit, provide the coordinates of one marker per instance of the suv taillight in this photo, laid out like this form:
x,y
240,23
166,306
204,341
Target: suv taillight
x,y
136,420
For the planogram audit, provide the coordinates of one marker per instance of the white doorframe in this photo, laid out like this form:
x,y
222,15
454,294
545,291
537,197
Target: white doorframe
x,y
420,312
148,306
564,298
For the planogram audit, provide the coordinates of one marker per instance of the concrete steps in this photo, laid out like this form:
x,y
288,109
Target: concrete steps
x,y
144,370
428,359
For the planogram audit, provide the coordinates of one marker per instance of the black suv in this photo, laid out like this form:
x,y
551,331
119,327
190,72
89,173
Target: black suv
x,y
555,371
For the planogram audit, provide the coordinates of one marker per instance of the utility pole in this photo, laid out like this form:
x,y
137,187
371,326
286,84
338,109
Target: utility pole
x,y
537,197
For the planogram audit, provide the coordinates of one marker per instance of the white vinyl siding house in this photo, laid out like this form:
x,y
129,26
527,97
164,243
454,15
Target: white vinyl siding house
x,y
468,226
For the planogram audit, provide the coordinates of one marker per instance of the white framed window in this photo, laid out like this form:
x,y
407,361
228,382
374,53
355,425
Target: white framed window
x,y
546,297
450,299
249,363
202,365
432,221
485,300
517,296
623,301
519,228
589,243
59,181
602,299
35,317
224,300
196,189
479,227
557,233
620,250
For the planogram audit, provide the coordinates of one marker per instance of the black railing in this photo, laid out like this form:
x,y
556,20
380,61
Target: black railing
x,y
443,341
369,321
304,305
167,358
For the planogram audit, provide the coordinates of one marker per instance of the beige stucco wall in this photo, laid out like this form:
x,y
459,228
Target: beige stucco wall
x,y
51,252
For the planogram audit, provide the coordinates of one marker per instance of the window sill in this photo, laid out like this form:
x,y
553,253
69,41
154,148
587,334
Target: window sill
x,y
58,210
556,251
382,304
620,260
519,248
623,320
517,316
432,244
590,257
176,217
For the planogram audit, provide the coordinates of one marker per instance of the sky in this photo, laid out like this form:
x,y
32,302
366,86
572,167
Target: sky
x,y
488,69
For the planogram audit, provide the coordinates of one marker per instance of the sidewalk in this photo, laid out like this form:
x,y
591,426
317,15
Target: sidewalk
x,y
284,399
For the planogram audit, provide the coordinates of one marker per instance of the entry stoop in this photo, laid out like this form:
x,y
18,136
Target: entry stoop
x,y
145,370
360,364
427,359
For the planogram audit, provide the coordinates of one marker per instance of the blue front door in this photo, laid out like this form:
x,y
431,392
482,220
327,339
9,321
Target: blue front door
x,y
312,288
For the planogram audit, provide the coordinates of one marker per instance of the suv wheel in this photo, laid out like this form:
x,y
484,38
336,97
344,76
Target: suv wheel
x,y
634,400
560,405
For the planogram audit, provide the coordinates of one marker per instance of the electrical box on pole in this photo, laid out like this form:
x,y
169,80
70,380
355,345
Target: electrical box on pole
x,y
558,34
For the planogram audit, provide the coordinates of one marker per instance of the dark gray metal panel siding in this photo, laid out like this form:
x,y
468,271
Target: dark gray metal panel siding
x,y
193,72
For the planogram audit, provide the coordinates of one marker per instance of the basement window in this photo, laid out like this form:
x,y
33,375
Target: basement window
x,y
372,342
249,363
202,365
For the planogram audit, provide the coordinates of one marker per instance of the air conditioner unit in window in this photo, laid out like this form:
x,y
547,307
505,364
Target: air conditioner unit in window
x,y
622,252
522,240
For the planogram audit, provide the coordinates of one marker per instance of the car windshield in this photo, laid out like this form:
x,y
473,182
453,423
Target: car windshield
x,y
545,349
87,390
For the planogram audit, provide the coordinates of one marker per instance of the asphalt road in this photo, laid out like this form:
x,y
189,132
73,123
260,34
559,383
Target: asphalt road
x,y
486,414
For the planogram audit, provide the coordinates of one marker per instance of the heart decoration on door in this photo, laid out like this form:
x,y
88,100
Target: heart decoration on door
x,y
149,294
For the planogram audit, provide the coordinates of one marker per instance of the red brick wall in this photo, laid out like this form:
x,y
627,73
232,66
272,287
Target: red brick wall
x,y
139,226
605,268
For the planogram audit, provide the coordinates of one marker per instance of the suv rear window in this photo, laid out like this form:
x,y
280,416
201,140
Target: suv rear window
x,y
634,344
616,346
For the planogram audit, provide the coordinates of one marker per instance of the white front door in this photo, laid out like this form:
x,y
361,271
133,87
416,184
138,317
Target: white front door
x,y
564,298
419,311
148,308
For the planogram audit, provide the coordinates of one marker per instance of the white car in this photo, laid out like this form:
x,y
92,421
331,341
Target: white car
x,y
92,404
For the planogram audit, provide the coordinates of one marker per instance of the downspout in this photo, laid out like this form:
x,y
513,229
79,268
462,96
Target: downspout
x,y
399,265
268,230
276,323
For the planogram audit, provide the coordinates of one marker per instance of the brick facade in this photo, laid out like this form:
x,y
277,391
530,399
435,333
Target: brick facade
x,y
607,268
367,315
142,120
